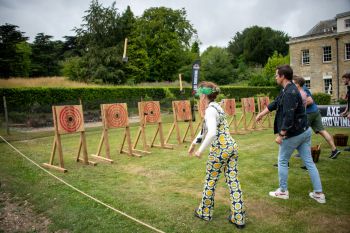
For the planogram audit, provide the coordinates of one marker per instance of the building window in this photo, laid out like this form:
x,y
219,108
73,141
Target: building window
x,y
307,82
328,86
347,51
347,23
305,59
327,54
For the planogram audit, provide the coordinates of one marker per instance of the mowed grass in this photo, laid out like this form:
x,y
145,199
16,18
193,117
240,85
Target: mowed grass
x,y
163,188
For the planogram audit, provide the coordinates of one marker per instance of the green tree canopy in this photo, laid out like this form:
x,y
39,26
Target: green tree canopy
x,y
165,35
45,56
256,44
13,51
216,66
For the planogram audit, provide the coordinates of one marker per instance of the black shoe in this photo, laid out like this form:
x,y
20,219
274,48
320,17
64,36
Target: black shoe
x,y
334,154
304,167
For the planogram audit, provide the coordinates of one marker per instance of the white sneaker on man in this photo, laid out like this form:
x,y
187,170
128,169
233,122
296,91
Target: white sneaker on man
x,y
319,197
280,194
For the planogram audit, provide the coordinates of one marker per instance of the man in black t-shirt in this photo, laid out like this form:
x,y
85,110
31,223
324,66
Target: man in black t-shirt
x,y
346,113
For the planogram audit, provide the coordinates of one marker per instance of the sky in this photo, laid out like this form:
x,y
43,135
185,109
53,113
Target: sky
x,y
216,22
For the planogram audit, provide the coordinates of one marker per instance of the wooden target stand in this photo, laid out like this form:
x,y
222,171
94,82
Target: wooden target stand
x,y
114,116
248,106
262,104
201,111
229,106
67,119
182,113
149,112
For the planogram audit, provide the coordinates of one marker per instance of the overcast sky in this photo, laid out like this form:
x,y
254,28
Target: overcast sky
x,y
215,21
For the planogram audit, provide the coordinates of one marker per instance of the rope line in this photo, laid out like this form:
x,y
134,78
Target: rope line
x,y
81,192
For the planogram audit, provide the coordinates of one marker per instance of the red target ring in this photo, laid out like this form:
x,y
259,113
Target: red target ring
x,y
230,106
70,119
249,105
264,101
183,110
116,116
151,112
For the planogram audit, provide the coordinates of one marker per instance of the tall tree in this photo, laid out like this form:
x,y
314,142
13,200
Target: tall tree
x,y
45,56
167,36
102,36
12,51
256,44
216,65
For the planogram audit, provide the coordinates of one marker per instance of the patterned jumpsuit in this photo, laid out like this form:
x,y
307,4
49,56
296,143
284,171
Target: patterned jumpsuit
x,y
223,156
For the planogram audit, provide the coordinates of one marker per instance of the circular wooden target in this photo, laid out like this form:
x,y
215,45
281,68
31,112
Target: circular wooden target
x,y
230,107
264,101
249,105
151,111
116,116
183,110
70,119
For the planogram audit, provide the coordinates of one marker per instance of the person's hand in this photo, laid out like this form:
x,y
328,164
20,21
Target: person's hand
x,y
279,139
258,118
198,154
348,116
191,149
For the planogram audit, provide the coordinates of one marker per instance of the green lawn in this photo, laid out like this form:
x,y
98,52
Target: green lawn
x,y
163,188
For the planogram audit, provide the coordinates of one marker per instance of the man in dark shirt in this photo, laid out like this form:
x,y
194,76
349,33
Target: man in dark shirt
x,y
293,133
346,113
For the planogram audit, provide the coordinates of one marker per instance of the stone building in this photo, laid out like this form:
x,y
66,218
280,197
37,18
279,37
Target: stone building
x,y
322,55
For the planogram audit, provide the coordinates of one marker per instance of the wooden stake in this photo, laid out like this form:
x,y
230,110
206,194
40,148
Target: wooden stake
x,y
6,116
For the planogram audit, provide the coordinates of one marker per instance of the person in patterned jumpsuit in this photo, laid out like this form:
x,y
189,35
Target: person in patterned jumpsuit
x,y
223,157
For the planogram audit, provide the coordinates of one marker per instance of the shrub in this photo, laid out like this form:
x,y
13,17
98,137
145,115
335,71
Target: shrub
x,y
321,98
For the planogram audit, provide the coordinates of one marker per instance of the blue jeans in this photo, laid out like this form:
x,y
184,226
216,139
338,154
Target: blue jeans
x,y
302,143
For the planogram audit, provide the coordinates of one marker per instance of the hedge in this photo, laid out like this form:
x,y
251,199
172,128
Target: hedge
x,y
321,98
25,99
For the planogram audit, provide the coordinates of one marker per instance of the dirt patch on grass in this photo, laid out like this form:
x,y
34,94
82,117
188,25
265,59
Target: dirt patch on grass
x,y
18,216
327,223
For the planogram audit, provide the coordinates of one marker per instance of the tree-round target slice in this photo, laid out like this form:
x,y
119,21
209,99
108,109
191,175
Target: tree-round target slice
x,y
230,107
183,110
116,115
151,111
263,102
249,105
70,119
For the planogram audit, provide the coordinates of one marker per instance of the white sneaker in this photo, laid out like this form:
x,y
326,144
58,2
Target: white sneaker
x,y
280,194
319,197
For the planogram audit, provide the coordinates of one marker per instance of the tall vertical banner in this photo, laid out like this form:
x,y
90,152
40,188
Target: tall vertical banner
x,y
195,76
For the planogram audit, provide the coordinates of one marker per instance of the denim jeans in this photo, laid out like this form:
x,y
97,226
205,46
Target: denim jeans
x,y
302,143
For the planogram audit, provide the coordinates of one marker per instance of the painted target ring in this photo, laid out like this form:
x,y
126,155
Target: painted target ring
x,y
249,105
70,119
116,116
230,107
151,112
264,101
184,110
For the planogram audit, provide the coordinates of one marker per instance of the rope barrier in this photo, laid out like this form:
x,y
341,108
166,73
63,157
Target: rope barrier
x,y
81,192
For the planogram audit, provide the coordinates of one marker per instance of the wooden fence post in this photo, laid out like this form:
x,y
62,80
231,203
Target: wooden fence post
x,y
6,116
